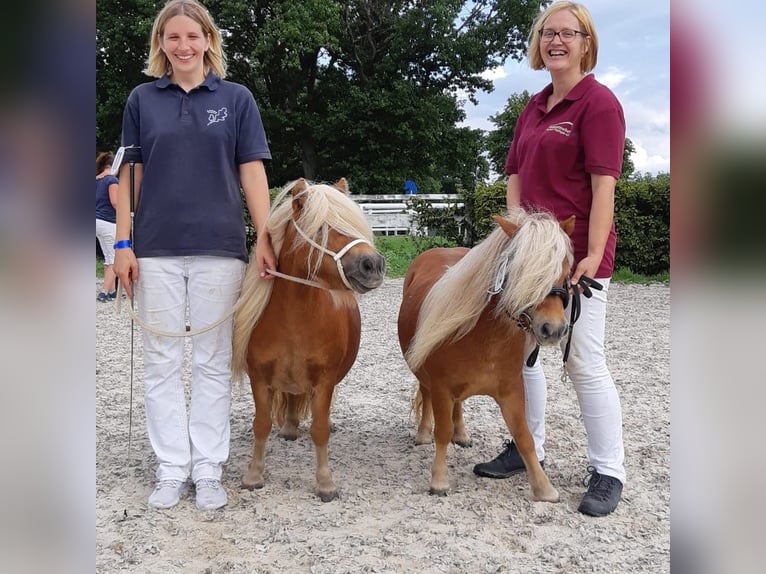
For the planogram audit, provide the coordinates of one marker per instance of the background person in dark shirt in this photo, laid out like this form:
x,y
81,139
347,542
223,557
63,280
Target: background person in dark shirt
x,y
106,200
200,143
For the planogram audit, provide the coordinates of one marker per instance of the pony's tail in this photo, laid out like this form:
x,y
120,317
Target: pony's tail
x,y
252,300
301,405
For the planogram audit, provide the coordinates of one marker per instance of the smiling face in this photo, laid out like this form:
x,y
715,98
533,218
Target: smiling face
x,y
560,55
184,43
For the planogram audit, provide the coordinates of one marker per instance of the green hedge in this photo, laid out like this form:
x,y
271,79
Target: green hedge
x,y
642,220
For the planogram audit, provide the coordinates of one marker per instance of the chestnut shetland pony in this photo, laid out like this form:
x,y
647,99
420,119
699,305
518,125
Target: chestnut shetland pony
x,y
468,320
297,335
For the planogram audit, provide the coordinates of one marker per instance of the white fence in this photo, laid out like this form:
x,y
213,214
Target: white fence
x,y
394,215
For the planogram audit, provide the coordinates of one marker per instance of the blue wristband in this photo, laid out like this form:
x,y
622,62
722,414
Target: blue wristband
x,y
124,244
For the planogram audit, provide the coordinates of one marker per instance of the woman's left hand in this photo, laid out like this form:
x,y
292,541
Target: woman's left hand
x,y
587,266
264,256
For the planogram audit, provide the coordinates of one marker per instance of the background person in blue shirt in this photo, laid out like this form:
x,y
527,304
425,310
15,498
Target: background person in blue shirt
x,y
198,140
106,199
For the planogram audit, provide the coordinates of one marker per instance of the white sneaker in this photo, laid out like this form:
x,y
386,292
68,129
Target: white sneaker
x,y
210,494
167,493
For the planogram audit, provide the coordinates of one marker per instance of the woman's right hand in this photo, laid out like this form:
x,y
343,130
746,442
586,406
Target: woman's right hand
x,y
126,269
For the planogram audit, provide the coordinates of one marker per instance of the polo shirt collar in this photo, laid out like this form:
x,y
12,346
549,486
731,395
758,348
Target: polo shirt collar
x,y
211,82
574,94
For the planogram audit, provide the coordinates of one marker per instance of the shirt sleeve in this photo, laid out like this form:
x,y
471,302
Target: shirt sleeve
x,y
131,125
604,140
251,139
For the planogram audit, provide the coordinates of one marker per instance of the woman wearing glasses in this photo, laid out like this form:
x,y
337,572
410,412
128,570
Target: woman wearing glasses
x,y
566,157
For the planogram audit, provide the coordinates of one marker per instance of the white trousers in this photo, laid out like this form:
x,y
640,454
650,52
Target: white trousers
x,y
197,444
596,393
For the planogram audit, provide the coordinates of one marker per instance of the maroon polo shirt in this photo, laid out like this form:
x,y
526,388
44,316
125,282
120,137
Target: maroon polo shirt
x,y
554,154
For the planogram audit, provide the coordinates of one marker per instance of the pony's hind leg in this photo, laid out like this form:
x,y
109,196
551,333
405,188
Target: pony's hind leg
x,y
320,434
262,396
460,435
512,407
424,414
443,430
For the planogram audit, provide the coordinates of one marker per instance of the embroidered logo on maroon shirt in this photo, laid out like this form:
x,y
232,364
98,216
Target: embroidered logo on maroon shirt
x,y
564,128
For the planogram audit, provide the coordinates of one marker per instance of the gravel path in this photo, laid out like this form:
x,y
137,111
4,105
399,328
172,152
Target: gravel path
x,y
384,519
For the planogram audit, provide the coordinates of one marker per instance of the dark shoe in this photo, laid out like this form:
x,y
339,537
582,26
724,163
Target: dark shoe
x,y
103,297
505,464
603,494
112,295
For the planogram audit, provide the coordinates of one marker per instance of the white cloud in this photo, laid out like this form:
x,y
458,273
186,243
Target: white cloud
x,y
644,162
613,77
493,74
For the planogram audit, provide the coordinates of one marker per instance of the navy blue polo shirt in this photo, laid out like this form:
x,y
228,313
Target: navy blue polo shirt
x,y
104,208
191,147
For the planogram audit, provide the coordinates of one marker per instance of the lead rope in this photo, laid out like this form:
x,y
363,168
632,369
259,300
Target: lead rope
x,y
585,283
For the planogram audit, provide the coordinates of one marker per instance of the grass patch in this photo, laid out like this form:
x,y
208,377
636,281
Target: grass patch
x,y
625,275
400,250
99,268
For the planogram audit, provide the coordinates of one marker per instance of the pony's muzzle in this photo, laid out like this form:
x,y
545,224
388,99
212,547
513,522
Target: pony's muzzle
x,y
551,332
365,271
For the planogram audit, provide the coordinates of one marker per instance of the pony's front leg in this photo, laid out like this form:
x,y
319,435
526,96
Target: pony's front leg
x,y
442,405
320,434
425,414
512,406
262,396
460,436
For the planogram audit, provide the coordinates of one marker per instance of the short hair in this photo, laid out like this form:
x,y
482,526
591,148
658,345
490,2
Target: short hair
x,y
103,159
158,63
580,12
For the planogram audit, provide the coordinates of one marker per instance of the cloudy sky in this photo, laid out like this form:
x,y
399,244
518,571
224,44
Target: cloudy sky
x,y
633,60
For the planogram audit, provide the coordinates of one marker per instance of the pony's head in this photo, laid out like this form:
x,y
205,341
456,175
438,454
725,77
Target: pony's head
x,y
534,273
328,239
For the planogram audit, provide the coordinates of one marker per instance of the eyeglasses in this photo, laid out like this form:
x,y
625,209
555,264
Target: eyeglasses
x,y
566,35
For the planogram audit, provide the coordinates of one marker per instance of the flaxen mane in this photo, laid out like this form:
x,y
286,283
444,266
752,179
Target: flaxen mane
x,y
532,260
324,207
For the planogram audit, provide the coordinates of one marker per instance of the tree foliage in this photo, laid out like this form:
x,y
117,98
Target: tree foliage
x,y
366,89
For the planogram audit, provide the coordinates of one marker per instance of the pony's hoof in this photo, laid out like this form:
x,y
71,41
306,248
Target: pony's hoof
x,y
422,439
328,496
464,442
437,491
256,485
289,435
550,495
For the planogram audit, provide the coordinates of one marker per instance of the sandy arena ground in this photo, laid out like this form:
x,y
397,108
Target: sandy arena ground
x,y
384,519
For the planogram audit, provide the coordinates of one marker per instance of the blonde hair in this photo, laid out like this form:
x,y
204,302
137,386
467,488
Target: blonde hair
x,y
588,61
158,63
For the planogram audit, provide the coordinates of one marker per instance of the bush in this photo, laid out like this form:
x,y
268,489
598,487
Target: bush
x,y
642,221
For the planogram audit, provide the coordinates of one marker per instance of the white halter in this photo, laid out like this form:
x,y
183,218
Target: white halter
x,y
336,257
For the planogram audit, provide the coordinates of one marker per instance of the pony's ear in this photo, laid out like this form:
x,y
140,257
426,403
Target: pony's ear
x,y
568,224
298,187
509,228
342,185
298,199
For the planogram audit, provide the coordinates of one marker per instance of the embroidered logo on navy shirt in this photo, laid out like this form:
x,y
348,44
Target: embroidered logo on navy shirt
x,y
217,115
563,128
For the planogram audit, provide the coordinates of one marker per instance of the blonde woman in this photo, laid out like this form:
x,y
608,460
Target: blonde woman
x,y
197,139
566,157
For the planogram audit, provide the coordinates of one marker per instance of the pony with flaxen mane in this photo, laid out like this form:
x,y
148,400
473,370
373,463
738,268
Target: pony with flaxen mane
x,y
469,319
297,335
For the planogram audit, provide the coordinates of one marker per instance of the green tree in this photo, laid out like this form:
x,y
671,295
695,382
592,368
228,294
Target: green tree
x,y
365,89
499,139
